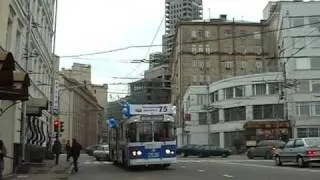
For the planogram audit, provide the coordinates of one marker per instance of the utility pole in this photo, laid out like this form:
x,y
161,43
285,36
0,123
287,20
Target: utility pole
x,y
181,117
24,104
284,90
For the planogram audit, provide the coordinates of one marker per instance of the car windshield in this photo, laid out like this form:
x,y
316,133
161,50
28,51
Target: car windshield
x,y
145,131
312,142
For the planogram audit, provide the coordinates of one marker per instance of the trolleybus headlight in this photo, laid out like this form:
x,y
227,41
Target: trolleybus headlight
x,y
168,151
172,152
134,153
139,153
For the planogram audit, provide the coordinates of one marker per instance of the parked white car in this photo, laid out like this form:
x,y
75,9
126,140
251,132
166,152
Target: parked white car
x,y
102,153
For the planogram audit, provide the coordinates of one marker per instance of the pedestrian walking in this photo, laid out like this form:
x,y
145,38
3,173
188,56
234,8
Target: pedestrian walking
x,y
68,150
75,153
56,149
3,153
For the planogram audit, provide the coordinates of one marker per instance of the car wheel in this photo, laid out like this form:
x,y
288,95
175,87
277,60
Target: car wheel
x,y
301,162
250,155
277,161
224,155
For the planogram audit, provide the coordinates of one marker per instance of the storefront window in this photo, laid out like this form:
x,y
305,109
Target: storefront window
x,y
302,132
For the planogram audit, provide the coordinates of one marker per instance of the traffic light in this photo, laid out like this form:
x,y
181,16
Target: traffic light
x,y
13,84
56,125
61,126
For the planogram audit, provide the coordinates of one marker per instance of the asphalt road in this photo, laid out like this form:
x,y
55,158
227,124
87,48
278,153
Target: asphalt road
x,y
195,168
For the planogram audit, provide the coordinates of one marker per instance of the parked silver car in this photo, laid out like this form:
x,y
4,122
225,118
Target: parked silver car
x,y
102,153
302,151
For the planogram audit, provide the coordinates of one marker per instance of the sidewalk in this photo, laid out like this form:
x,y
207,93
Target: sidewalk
x,y
46,173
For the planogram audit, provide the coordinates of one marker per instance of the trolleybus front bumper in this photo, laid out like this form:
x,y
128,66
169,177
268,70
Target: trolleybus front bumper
x,y
157,161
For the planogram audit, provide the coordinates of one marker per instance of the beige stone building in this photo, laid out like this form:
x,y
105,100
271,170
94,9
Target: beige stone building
x,y
208,51
82,73
80,112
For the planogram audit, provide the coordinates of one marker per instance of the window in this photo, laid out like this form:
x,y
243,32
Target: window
x,y
308,132
200,33
208,48
298,42
315,62
303,63
315,86
194,63
259,89
228,65
235,114
202,118
201,99
303,109
290,144
194,34
207,34
316,109
145,132
194,49
164,131
299,143
9,34
228,93
269,111
214,139
132,132
230,137
214,96
239,91
243,65
200,48
215,116
274,88
259,66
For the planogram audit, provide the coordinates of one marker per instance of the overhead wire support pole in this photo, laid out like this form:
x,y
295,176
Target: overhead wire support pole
x,y
24,104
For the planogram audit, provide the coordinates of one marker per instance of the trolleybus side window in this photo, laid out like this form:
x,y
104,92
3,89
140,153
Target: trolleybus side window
x,y
164,131
132,132
145,132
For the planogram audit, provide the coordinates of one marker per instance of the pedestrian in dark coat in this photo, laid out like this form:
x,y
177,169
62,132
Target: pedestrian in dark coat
x,y
75,153
3,153
56,149
68,150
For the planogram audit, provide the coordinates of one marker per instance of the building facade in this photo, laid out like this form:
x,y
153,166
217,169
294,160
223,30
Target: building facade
x,y
80,112
246,108
101,94
298,50
209,51
156,59
33,52
175,12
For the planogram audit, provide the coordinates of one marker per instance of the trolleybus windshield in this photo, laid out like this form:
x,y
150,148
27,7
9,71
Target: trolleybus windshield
x,y
164,131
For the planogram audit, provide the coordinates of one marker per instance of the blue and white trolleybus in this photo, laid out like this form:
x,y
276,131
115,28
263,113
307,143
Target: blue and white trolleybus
x,y
146,136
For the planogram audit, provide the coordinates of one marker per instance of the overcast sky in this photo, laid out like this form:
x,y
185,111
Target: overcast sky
x,y
99,25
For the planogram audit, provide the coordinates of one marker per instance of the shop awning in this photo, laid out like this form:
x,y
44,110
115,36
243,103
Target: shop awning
x,y
266,124
36,105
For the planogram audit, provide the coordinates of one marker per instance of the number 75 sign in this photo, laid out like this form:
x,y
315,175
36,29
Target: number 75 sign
x,y
151,109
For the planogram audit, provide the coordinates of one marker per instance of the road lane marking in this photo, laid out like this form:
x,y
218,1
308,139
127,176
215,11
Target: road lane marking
x,y
201,170
272,167
227,176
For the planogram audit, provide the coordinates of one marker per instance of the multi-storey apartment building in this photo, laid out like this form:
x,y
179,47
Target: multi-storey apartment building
x,y
175,12
298,46
32,49
208,51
